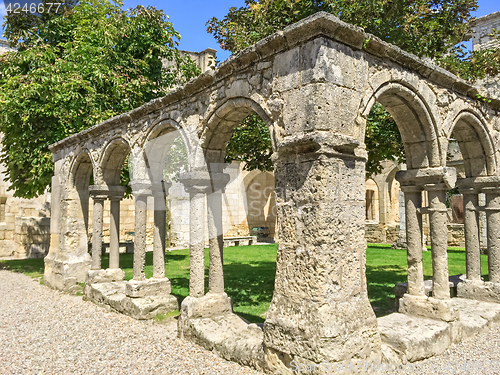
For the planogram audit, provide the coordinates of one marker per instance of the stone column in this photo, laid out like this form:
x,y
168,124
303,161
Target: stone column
x,y
114,228
98,199
493,227
215,232
140,196
160,222
438,222
413,225
436,181
471,229
196,184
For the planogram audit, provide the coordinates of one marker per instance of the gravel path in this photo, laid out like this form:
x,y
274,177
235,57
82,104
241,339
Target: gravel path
x,y
43,331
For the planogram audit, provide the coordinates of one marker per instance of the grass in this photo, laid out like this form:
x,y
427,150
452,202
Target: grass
x,y
249,273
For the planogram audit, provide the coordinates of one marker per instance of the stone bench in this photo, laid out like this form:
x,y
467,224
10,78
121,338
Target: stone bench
x,y
129,247
401,288
236,241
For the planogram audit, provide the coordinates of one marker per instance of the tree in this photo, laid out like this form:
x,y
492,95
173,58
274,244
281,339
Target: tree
x,y
74,70
423,27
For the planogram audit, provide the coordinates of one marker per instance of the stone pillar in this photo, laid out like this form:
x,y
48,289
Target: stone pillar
x,y
98,199
320,300
140,197
114,229
493,227
438,222
436,181
471,229
413,225
475,190
215,232
196,184
160,222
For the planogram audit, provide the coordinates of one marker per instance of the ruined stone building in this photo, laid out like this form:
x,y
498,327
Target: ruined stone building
x,y
313,84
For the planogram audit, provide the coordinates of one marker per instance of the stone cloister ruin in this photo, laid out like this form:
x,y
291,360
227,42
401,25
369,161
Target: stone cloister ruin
x,y
313,84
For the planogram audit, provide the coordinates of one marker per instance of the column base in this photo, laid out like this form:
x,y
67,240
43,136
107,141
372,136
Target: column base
x,y
147,288
105,276
479,290
211,304
65,275
112,296
428,307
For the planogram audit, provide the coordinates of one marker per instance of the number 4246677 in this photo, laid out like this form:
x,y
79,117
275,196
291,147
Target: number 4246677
x,y
33,8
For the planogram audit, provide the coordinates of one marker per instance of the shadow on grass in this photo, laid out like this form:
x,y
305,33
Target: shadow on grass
x,y
381,280
30,267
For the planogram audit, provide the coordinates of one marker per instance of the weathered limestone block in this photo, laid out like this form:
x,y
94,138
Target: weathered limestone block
x,y
428,307
105,276
112,295
417,338
147,288
479,290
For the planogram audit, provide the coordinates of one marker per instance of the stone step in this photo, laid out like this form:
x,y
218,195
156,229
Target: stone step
x,y
407,338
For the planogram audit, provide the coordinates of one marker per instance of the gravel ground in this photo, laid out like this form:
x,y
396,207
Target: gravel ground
x,y
43,331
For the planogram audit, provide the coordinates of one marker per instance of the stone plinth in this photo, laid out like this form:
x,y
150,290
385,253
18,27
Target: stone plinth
x,y
105,276
147,288
428,307
112,295
479,290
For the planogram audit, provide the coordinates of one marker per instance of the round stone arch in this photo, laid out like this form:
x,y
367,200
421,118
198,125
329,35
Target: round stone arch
x,y
414,117
111,161
475,142
76,203
220,123
155,144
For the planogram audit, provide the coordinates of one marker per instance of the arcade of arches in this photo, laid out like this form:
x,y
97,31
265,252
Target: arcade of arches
x,y
313,84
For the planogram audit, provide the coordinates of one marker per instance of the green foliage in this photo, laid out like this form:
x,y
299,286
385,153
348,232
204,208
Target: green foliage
x,y
423,27
382,139
251,143
474,65
75,70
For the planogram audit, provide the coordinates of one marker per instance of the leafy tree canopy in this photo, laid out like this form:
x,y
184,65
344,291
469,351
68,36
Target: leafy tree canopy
x,y
76,69
429,28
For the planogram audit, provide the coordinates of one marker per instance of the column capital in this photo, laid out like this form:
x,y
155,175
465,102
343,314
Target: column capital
x,y
436,187
219,180
107,191
427,176
197,181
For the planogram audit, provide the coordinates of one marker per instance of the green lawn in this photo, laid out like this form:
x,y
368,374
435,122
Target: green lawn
x,y
249,273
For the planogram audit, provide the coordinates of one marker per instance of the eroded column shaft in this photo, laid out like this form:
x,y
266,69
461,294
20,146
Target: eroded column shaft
x,y
216,273
493,227
160,222
197,244
140,236
439,240
97,232
413,201
114,233
471,229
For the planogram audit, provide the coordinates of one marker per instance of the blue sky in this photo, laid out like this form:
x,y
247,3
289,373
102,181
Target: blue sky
x,y
190,16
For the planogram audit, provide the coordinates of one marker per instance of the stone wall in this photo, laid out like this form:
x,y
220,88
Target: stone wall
x,y
482,27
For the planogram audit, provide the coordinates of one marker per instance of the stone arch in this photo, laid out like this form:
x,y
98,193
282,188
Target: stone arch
x,y
156,144
77,202
475,142
393,198
81,168
260,200
114,154
372,197
219,125
415,119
